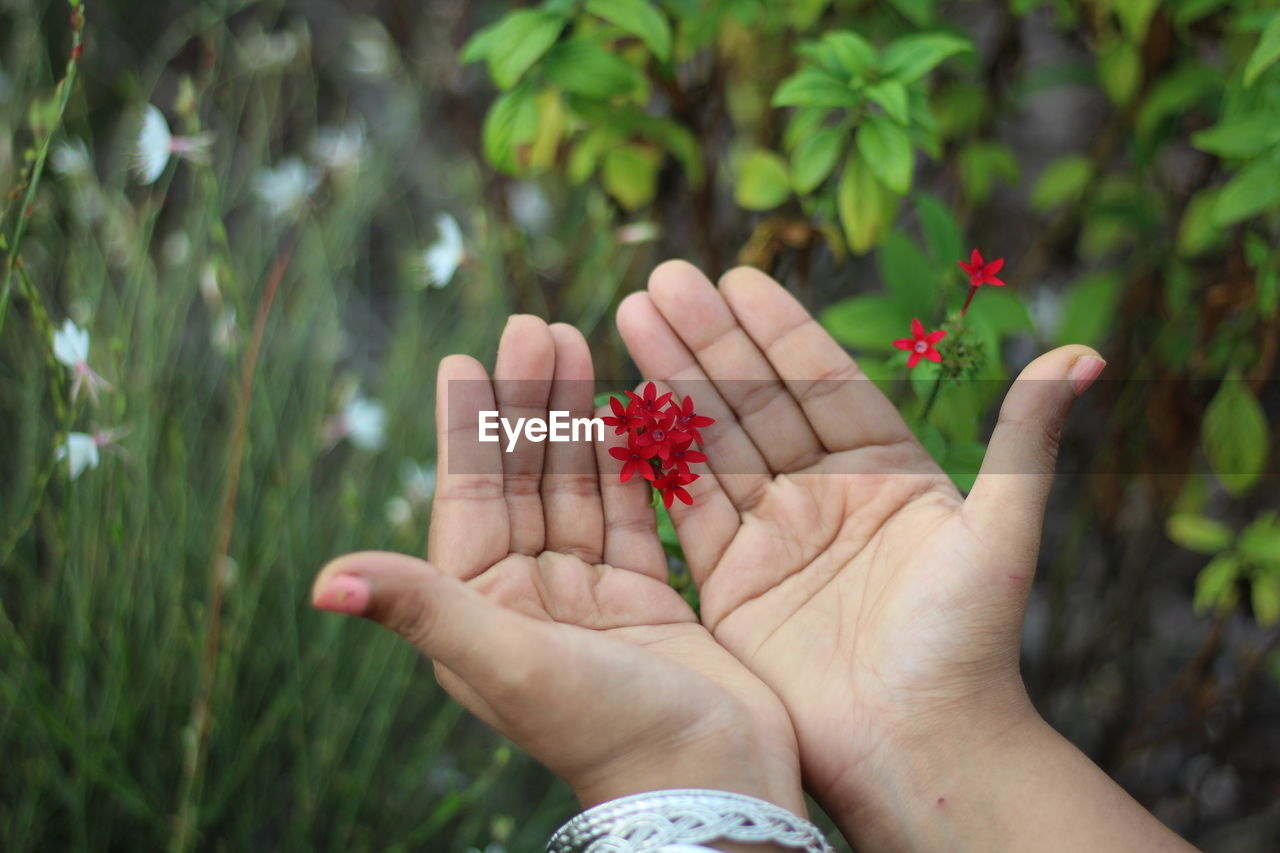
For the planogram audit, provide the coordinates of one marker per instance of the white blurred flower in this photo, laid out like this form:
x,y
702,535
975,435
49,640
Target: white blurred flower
x,y
71,159
83,450
529,205
399,512
268,51
225,332
637,232
417,487
369,49
177,248
286,188
362,421
80,451
209,289
339,148
71,348
417,482
156,144
441,259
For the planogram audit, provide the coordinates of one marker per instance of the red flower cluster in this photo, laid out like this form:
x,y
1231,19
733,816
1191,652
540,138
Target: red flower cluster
x,y
921,344
980,272
660,437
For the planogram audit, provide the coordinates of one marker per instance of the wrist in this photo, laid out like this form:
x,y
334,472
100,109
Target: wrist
x,y
930,782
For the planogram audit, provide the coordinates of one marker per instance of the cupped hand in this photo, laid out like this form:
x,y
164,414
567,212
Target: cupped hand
x,y
832,555
545,605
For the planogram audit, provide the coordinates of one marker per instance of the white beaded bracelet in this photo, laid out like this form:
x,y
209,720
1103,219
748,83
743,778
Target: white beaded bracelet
x,y
682,819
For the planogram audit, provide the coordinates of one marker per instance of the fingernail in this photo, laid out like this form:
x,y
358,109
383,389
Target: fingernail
x,y
1084,371
343,594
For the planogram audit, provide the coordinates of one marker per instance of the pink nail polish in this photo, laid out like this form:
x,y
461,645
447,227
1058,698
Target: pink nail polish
x,y
343,594
1083,372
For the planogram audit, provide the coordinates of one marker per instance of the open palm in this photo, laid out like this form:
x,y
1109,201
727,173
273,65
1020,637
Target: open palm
x,y
831,553
545,607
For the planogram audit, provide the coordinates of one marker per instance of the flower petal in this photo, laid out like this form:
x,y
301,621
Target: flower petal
x,y
914,360
993,267
904,343
933,355
933,337
917,328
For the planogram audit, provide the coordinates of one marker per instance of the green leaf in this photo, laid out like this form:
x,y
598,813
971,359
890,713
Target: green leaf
x,y
1176,93
918,12
519,40
887,148
639,18
1197,533
1000,311
1197,232
511,123
1256,189
892,97
911,57
870,321
982,164
811,87
1260,542
630,174
852,53
864,205
1089,309
584,68
931,440
587,152
1244,136
907,274
1063,181
1135,17
1266,53
1215,585
1119,70
1235,436
941,233
1266,599
815,158
763,182
962,463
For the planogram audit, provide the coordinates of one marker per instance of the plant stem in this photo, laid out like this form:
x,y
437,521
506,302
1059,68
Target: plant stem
x,y
933,398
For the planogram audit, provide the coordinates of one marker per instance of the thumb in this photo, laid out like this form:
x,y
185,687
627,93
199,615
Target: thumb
x,y
1008,498
490,648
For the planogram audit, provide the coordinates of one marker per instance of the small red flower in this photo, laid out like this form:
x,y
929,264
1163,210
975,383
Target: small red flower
x,y
980,273
635,457
684,455
650,405
671,484
921,344
687,421
621,420
663,437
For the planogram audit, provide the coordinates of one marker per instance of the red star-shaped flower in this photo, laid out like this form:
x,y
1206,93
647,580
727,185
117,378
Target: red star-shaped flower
x,y
684,455
662,436
687,421
921,344
635,457
649,406
981,273
622,421
671,485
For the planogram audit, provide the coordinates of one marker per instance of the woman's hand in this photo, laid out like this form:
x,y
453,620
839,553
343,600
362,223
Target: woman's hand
x,y
546,609
841,565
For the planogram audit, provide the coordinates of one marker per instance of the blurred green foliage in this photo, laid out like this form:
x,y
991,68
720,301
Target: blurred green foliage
x,y
163,682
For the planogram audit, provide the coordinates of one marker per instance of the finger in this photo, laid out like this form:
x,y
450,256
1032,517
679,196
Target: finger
x,y
659,352
845,409
707,525
522,385
469,531
1008,498
630,525
484,646
570,487
742,375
